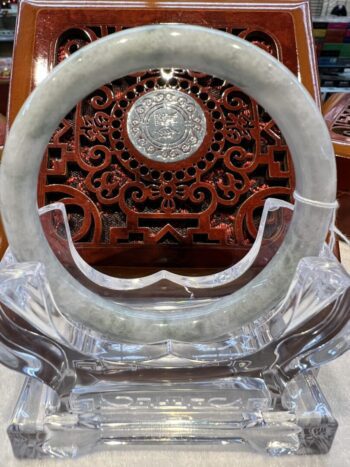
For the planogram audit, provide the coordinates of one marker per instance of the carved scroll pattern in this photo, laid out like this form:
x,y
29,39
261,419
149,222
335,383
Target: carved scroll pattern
x,y
116,196
341,125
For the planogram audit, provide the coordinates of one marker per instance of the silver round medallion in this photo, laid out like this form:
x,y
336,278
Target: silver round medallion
x,y
166,125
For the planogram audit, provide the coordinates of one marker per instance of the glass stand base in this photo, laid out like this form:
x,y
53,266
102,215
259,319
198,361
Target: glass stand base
x,y
238,411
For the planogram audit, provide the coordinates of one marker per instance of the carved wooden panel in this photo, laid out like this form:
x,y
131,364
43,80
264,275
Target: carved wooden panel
x,y
336,112
116,196
126,209
337,115
341,126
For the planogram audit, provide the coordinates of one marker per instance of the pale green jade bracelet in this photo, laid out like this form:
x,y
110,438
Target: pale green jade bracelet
x,y
170,46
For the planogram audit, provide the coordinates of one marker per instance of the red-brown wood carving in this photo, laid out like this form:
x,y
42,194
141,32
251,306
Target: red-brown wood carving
x,y
124,209
114,196
337,115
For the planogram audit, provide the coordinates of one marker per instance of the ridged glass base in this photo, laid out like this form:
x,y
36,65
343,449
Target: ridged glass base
x,y
251,388
238,411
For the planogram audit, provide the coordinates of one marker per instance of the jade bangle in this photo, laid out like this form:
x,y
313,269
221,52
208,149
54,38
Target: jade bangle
x,y
167,46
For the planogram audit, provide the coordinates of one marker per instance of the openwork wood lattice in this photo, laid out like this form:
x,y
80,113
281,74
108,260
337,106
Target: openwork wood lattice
x,y
341,125
116,196
337,115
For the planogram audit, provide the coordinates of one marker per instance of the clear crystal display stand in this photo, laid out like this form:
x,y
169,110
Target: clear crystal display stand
x,y
257,391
